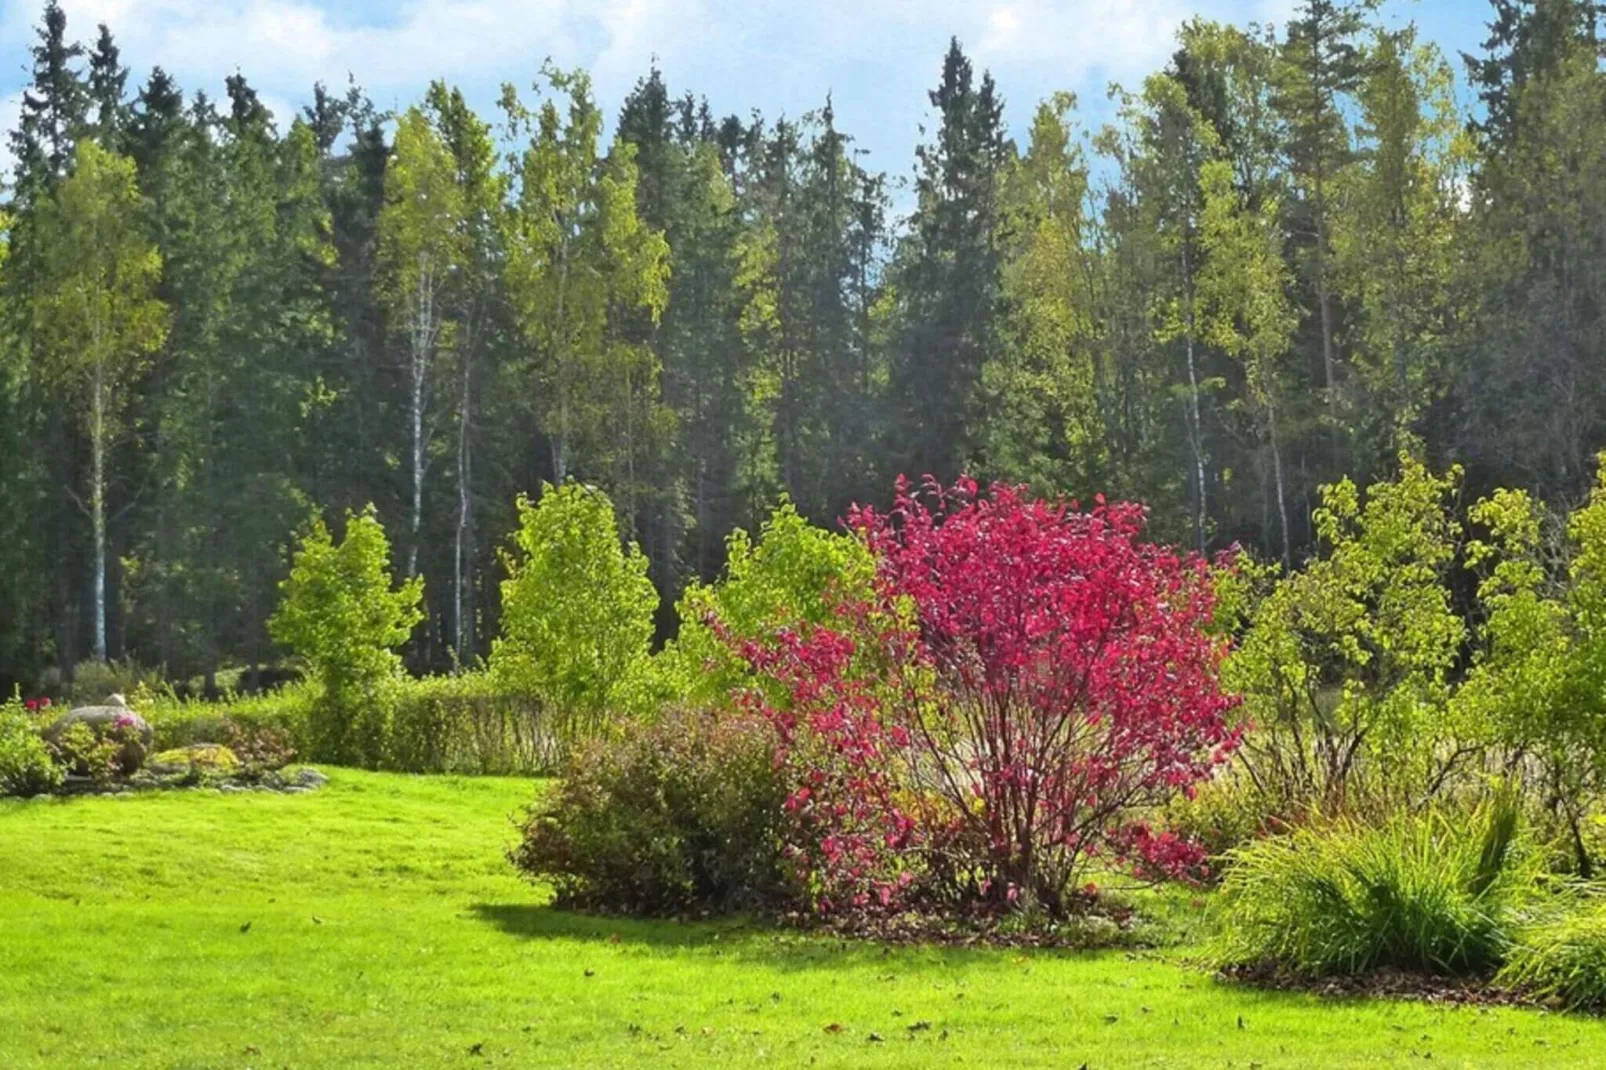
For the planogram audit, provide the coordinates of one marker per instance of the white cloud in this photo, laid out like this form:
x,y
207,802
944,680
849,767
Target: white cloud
x,y
877,57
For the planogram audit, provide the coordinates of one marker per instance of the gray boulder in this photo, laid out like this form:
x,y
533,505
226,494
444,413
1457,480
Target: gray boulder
x,y
101,719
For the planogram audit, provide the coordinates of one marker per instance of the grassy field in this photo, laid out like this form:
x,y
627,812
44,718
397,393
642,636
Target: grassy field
x,y
375,923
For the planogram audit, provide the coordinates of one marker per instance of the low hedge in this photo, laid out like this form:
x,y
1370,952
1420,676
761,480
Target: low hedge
x,y
438,724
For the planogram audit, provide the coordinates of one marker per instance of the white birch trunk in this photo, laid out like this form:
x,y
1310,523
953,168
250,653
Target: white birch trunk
x,y
97,504
464,514
422,343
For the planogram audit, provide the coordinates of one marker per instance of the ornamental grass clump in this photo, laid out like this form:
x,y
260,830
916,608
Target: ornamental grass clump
x,y
1436,892
1562,958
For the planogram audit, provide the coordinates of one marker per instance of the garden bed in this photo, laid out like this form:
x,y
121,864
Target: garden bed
x,y
288,781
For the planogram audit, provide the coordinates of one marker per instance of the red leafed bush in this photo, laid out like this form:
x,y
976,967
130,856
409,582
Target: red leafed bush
x,y
1029,680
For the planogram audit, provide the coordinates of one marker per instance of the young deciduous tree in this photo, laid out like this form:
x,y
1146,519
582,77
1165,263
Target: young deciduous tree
x,y
1346,665
339,611
789,578
577,611
96,313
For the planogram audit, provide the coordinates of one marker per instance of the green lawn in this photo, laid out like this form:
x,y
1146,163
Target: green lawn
x,y
375,923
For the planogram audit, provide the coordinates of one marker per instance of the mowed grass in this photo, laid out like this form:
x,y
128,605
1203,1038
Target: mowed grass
x,y
376,923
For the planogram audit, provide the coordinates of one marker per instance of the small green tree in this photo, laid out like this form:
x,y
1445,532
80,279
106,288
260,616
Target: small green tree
x,y
1346,665
1537,687
339,611
783,580
577,611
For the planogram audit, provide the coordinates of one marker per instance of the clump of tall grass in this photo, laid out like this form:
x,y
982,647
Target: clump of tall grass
x,y
1434,891
1562,957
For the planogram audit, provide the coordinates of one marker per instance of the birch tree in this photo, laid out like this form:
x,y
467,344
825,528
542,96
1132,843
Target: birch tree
x,y
472,299
579,258
97,319
421,244
1244,305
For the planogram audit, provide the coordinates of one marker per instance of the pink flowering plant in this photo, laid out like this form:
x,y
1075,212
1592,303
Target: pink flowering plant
x,y
1028,680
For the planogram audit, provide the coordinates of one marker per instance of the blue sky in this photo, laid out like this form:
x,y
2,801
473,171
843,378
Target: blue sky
x,y
877,57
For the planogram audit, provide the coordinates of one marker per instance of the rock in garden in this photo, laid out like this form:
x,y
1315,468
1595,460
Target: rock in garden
x,y
102,720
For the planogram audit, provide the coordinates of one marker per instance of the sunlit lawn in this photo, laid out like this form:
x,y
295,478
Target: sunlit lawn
x,y
376,923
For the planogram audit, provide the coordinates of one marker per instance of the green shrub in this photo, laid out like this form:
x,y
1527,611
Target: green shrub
x,y
1223,814
26,765
212,759
1563,957
338,611
93,681
681,814
79,751
577,613
1346,667
786,579
1430,891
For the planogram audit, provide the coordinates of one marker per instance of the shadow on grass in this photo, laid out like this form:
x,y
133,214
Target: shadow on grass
x,y
550,923
740,938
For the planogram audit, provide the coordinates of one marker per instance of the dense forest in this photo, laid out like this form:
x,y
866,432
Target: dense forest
x,y
1295,252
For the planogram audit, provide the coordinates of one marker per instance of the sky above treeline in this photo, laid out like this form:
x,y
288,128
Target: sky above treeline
x,y
877,58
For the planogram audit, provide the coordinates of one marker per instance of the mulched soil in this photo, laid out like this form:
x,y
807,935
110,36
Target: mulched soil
x,y
1098,927
1388,984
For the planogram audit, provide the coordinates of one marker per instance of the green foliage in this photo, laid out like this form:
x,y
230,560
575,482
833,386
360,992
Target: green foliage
x,y
1562,958
81,751
1435,890
1346,666
790,578
1044,426
205,759
26,764
1537,687
579,261
577,613
92,681
339,611
682,814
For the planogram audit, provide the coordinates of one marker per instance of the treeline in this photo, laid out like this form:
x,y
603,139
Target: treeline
x,y
1294,252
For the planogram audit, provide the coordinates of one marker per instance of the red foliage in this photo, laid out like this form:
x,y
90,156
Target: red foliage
x,y
1029,679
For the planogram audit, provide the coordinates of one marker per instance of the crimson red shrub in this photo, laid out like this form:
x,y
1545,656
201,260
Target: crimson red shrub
x,y
1029,680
